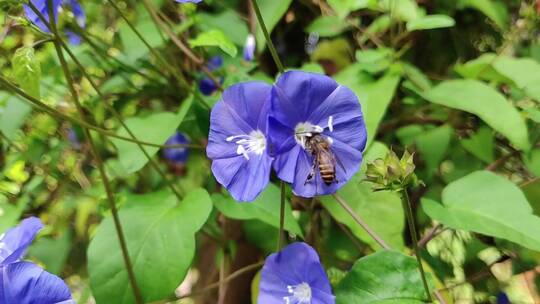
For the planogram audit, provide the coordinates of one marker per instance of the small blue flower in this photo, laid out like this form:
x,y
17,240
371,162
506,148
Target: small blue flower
x,y
237,140
294,276
42,6
207,85
176,155
304,105
24,282
502,298
249,48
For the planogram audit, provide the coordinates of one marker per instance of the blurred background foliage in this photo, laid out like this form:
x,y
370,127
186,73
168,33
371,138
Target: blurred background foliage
x,y
455,82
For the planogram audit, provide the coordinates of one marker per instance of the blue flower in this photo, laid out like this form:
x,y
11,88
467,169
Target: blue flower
x,y
42,6
294,276
237,140
305,105
25,282
176,155
207,85
249,48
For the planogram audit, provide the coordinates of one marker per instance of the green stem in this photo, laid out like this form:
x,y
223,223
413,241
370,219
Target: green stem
x,y
267,37
412,229
360,221
117,115
97,157
59,115
281,217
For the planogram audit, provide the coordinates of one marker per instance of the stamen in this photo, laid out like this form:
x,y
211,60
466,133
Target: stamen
x,y
331,123
301,293
254,142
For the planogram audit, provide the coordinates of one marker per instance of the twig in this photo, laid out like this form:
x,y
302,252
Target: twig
x,y
271,47
429,236
361,222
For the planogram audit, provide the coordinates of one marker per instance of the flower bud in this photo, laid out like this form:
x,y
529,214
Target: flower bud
x,y
392,173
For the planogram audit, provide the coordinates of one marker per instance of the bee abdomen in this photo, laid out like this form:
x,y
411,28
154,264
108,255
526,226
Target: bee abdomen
x,y
328,174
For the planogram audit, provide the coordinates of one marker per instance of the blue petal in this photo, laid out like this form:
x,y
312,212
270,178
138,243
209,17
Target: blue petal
x,y
242,110
297,94
215,63
26,283
249,48
295,264
42,6
177,155
78,12
342,105
73,38
15,241
207,86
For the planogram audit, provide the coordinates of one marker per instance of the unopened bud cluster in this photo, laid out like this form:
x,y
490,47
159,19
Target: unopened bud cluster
x,y
392,173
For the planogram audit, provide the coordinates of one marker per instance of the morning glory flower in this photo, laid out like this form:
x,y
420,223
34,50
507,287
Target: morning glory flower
x,y
176,155
25,282
305,105
42,6
207,85
237,140
249,48
294,276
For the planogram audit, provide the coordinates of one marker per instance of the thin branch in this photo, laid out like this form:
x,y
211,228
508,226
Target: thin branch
x,y
361,222
281,217
269,42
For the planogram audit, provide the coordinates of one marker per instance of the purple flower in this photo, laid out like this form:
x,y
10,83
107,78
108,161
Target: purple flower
x,y
24,282
237,140
207,85
42,6
294,276
176,155
249,48
305,105
188,1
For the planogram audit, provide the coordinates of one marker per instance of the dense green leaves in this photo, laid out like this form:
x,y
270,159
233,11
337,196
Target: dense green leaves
x,y
265,208
160,236
486,203
215,38
155,128
482,100
383,277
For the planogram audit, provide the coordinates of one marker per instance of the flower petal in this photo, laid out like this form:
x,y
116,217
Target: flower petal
x,y
244,179
285,163
78,12
250,100
14,242
295,264
297,94
27,283
42,6
177,155
342,105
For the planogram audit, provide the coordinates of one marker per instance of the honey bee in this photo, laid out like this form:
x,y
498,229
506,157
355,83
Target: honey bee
x,y
323,159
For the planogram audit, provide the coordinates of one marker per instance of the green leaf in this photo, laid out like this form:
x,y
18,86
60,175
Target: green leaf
x,y
382,277
327,26
375,60
229,22
27,71
433,145
265,208
271,11
155,128
344,7
532,161
524,72
430,22
404,10
481,144
13,116
486,203
381,210
52,252
134,48
215,38
494,10
160,237
482,100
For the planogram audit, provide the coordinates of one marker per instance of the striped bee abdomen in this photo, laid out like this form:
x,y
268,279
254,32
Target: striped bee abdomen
x,y
328,173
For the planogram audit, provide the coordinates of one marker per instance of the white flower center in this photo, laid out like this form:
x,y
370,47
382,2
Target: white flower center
x,y
254,142
301,294
304,130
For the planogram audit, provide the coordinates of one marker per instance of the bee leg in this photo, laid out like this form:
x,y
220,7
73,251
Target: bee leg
x,y
310,175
